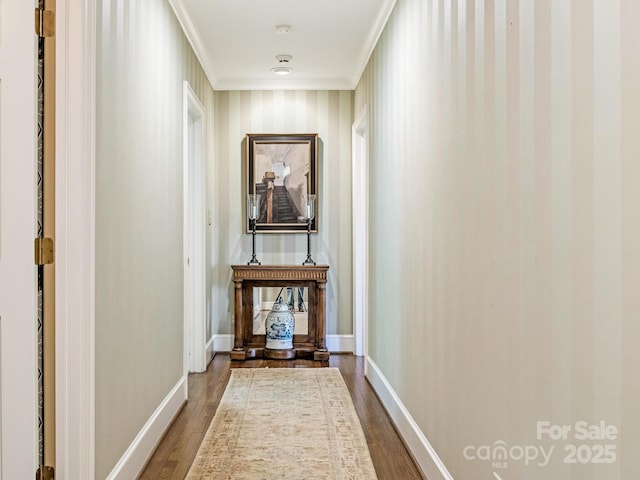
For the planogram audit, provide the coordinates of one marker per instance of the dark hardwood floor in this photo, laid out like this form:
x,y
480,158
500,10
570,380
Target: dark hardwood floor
x,y
174,455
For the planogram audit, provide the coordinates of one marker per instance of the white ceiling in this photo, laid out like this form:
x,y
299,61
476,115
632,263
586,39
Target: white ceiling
x,y
330,40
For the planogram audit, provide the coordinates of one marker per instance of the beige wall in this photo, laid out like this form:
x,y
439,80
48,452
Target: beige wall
x,y
142,61
505,164
328,113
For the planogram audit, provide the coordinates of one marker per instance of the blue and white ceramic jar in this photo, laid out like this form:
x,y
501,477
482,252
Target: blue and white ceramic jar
x,y
279,325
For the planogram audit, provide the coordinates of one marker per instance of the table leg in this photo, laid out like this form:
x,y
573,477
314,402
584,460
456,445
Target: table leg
x,y
238,352
321,352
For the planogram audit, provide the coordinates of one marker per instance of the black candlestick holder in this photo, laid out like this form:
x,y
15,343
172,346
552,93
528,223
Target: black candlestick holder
x,y
309,260
253,212
310,210
254,259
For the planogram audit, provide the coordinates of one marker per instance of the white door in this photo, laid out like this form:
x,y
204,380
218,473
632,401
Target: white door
x,y
360,144
194,233
18,363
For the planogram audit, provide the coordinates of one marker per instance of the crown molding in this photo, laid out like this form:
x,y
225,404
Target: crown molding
x,y
372,40
283,84
192,37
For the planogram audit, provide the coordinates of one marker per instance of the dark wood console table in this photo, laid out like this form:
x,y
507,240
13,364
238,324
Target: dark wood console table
x,y
247,344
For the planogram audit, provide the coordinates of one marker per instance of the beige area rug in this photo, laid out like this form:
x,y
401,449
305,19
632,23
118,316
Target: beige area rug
x,y
284,423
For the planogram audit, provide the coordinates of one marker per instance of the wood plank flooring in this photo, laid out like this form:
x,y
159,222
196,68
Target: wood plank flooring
x,y
176,451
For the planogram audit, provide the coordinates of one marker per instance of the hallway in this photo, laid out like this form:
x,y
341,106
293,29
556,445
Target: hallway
x,y
175,453
500,194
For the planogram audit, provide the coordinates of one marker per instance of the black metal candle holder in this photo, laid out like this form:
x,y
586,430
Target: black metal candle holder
x,y
310,205
253,212
254,259
309,260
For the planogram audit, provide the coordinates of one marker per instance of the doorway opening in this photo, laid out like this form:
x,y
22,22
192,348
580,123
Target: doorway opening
x,y
195,326
360,175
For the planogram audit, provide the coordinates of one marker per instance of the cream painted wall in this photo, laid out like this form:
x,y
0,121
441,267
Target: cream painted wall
x,y
505,164
143,58
328,113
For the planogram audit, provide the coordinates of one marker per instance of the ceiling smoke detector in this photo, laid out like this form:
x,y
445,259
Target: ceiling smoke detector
x,y
283,29
283,65
283,59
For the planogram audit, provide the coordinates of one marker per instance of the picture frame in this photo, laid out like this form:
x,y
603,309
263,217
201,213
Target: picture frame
x,y
283,170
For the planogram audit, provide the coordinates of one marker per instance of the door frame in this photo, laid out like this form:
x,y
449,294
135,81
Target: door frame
x,y
195,305
75,237
360,216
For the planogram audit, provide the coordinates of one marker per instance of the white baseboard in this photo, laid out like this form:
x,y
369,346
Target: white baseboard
x,y
335,343
222,343
341,343
424,454
209,351
138,453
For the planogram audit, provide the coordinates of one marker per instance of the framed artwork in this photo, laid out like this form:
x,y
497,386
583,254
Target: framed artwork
x,y
283,170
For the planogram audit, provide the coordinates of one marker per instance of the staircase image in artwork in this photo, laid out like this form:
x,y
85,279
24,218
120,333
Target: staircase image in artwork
x,y
284,210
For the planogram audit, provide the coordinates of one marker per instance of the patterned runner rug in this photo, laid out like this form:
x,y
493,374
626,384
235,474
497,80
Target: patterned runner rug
x,y
284,423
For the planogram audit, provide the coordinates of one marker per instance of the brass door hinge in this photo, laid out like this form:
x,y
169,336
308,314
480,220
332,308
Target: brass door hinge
x,y
45,22
45,473
43,248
